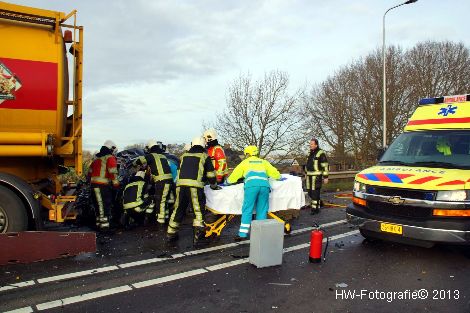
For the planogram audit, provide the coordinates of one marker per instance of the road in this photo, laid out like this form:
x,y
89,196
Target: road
x,y
137,271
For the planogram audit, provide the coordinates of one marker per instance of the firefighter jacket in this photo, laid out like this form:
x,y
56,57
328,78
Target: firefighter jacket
x,y
195,169
134,193
317,164
217,155
255,171
103,169
158,164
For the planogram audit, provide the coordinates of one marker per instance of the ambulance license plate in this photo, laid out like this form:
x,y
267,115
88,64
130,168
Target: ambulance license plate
x,y
391,228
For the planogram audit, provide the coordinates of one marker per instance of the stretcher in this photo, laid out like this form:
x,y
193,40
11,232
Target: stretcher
x,y
224,204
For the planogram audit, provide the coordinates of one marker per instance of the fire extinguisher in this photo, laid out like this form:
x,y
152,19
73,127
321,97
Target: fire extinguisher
x,y
316,244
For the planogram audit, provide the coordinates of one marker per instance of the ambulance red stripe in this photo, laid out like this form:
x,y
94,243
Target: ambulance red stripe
x,y
423,180
440,121
453,182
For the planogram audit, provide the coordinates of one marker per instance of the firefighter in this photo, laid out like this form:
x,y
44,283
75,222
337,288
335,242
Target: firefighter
x,y
161,178
316,173
217,154
195,170
103,176
135,198
255,172
173,161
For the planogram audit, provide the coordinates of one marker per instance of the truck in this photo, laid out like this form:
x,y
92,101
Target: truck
x,y
41,67
419,192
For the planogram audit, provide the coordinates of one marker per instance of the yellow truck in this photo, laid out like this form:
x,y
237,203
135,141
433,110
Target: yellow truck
x,y
40,114
419,192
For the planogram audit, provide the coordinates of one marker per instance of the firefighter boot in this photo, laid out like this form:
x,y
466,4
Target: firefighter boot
x,y
199,238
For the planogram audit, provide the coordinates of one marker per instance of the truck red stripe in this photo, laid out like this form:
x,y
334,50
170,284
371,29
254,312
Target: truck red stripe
x,y
38,85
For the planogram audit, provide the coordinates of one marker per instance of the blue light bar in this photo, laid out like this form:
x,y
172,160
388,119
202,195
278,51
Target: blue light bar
x,y
428,101
446,99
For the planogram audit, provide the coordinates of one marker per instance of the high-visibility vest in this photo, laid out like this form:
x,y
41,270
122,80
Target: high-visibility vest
x,y
217,155
134,194
318,167
158,164
103,171
256,172
192,170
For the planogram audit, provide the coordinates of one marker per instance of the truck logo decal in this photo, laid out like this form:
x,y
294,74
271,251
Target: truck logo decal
x,y
396,200
447,110
9,83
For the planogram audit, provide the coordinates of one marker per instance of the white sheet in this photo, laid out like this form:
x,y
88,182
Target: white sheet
x,y
285,194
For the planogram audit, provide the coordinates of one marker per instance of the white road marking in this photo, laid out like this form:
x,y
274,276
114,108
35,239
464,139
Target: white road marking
x,y
160,280
83,297
17,285
27,309
194,252
227,264
77,274
142,262
302,230
146,261
166,279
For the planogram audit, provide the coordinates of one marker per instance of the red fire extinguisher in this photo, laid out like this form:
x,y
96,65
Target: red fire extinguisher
x,y
316,244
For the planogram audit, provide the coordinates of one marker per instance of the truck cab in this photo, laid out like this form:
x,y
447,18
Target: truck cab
x,y
419,192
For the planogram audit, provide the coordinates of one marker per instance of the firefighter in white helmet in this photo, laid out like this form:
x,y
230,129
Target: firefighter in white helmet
x,y
216,153
195,170
103,176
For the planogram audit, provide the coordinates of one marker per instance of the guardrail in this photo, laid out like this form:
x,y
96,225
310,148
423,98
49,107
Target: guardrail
x,y
339,175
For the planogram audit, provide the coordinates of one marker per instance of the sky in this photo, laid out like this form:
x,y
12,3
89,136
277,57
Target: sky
x,y
159,69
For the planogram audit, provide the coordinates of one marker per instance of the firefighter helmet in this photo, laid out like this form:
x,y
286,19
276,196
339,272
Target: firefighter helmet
x,y
251,150
210,135
110,145
198,141
150,144
140,174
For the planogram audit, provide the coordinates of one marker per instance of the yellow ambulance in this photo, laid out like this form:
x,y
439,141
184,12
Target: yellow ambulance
x,y
419,192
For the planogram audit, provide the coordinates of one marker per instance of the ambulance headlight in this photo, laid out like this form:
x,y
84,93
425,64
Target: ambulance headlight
x,y
360,187
452,195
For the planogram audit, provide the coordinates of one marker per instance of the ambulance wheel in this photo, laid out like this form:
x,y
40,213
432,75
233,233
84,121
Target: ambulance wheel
x,y
368,236
287,228
13,216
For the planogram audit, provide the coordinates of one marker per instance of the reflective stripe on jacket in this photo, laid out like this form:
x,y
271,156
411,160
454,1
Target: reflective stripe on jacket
x,y
133,195
195,169
103,171
158,164
256,172
217,155
317,164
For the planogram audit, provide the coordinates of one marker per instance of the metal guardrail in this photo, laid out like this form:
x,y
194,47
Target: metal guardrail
x,y
345,174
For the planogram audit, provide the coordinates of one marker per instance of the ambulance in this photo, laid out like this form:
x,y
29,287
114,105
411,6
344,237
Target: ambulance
x,y
419,192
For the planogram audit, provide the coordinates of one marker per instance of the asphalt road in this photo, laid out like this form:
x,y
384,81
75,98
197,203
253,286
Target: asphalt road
x,y
137,271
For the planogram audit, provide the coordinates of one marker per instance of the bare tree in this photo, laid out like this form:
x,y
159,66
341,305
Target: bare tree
x,y
261,113
345,111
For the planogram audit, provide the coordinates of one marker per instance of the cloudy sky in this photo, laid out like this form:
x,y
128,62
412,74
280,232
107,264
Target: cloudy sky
x,y
158,69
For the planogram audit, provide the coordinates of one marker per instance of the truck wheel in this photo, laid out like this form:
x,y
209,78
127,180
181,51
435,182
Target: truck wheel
x,y
13,217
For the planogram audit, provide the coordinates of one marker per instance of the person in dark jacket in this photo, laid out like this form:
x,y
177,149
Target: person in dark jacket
x,y
195,170
161,177
316,173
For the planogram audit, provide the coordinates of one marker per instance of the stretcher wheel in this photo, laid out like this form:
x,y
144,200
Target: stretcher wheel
x,y
287,228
